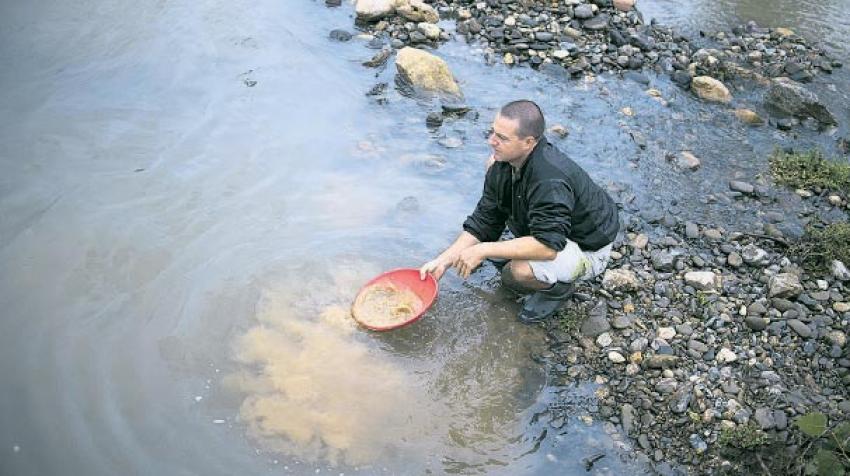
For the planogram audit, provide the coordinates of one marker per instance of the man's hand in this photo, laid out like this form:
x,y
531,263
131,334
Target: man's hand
x,y
468,260
436,266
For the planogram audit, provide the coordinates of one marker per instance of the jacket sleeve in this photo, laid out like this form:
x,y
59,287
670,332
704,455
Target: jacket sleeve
x,y
550,209
487,221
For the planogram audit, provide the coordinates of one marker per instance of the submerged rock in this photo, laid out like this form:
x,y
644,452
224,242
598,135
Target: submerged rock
x,y
749,117
792,98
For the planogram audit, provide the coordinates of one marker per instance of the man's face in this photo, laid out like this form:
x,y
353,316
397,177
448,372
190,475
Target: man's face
x,y
506,144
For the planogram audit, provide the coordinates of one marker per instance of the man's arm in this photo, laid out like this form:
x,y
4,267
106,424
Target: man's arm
x,y
524,248
447,258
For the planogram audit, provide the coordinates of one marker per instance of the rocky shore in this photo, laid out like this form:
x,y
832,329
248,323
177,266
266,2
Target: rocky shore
x,y
699,336
575,38
705,343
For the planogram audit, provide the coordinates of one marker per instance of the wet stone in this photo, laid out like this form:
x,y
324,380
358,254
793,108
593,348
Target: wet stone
x,y
340,35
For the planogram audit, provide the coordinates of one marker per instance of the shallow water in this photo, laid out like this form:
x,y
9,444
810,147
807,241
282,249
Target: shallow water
x,y
191,194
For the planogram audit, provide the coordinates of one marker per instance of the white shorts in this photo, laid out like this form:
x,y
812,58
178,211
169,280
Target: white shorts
x,y
572,264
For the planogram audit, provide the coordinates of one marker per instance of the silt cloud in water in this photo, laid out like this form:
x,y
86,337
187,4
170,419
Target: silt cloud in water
x,y
313,391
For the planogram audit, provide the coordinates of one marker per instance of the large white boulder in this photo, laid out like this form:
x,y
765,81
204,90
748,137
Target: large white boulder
x,y
426,72
372,10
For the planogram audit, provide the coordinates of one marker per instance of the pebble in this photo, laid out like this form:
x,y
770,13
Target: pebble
x,y
698,444
621,322
666,333
756,323
616,357
725,356
604,340
800,328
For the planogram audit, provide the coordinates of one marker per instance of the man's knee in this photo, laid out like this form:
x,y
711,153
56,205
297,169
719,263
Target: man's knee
x,y
518,275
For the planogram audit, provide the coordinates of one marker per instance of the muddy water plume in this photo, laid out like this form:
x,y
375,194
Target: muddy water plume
x,y
314,391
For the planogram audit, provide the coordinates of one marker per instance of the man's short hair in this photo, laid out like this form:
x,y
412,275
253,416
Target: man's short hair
x,y
529,116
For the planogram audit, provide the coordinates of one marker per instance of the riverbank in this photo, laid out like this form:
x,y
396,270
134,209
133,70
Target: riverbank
x,y
708,343
706,340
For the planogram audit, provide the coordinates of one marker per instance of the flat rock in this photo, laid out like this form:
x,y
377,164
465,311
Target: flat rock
x,y
597,321
599,22
702,280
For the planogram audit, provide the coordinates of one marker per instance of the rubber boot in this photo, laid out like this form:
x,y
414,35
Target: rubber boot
x,y
544,303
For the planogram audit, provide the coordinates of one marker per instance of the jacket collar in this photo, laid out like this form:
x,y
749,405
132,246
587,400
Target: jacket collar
x,y
535,152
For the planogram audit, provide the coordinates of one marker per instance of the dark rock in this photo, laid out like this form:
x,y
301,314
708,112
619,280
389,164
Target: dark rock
x,y
658,361
792,98
544,36
639,78
583,11
682,79
764,418
599,22
379,59
340,35
800,328
434,120
597,321
681,399
756,323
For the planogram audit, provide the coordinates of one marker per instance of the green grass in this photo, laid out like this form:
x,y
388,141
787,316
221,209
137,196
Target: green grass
x,y
820,245
809,170
742,436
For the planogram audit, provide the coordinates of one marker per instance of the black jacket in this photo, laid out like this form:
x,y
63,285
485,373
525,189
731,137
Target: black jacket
x,y
550,198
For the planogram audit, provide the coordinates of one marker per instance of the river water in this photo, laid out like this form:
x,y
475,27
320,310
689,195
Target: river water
x,y
192,192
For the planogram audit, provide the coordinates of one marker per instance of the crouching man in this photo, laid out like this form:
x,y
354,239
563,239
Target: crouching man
x,y
562,222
